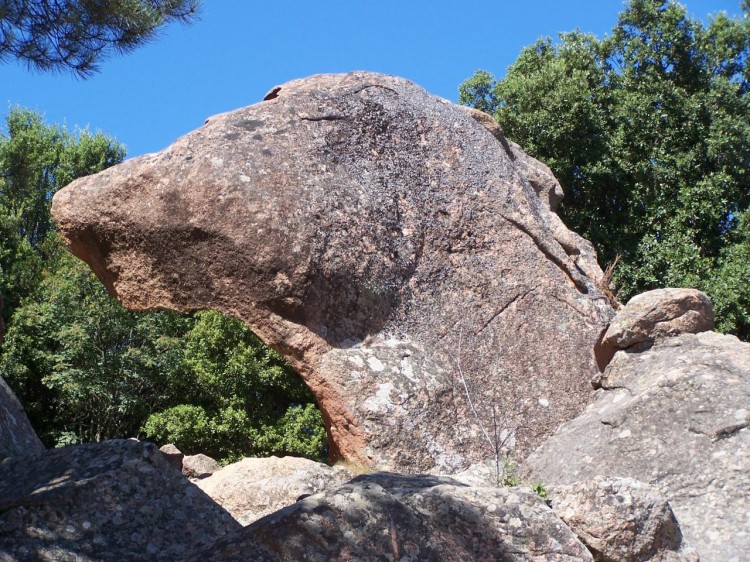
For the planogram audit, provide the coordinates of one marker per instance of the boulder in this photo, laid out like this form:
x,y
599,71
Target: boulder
x,y
17,437
385,244
621,520
395,517
675,416
254,487
118,500
659,314
199,466
173,455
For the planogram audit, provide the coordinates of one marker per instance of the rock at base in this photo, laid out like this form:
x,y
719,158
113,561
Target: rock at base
x,y
675,416
392,517
255,487
199,466
114,501
621,520
173,455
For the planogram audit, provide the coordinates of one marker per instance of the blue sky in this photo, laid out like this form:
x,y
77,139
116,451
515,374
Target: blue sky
x,y
241,49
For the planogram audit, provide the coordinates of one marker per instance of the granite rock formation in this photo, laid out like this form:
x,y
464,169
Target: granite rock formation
x,y
385,243
658,314
675,416
115,501
254,487
199,466
622,520
173,455
394,517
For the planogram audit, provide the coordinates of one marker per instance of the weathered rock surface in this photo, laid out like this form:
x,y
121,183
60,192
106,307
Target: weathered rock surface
x,y
675,416
118,500
17,437
621,520
173,455
380,239
253,488
392,517
199,466
660,314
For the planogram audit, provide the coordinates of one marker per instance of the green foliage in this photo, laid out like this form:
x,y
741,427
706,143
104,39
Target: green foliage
x,y
509,475
36,160
540,490
86,369
187,427
253,404
648,132
75,35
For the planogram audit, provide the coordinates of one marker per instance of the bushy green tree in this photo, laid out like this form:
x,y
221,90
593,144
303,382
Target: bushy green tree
x,y
85,368
244,398
77,34
648,131
36,160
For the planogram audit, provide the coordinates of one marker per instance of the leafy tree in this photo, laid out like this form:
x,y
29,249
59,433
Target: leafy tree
x,y
648,131
244,401
85,368
36,160
77,34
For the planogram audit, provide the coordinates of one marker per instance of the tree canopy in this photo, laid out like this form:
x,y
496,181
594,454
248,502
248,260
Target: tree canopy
x,y
648,131
77,34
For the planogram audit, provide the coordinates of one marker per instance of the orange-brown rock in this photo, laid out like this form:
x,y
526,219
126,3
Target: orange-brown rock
x,y
380,239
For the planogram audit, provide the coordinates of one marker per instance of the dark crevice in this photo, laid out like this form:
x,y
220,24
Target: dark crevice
x,y
375,86
503,308
604,352
544,248
326,118
729,431
722,433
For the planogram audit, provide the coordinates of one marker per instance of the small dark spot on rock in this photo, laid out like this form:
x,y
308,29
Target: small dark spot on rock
x,y
249,124
273,94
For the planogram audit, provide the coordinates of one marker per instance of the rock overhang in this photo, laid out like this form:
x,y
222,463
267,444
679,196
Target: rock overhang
x,y
345,211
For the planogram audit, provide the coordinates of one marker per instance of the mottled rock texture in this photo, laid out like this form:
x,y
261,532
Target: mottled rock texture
x,y
17,437
199,466
392,517
660,314
173,455
385,243
118,500
253,488
675,416
622,520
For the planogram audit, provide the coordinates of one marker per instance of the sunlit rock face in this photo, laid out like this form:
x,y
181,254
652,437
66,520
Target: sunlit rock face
x,y
387,244
396,517
675,416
